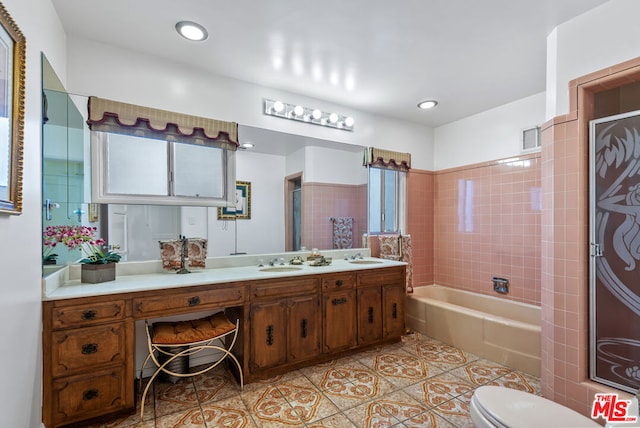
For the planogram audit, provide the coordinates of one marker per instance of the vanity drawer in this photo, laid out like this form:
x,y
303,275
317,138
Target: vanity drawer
x,y
382,276
341,281
88,348
189,300
86,396
284,288
87,314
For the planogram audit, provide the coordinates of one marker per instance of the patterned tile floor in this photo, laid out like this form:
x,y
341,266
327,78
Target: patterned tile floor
x,y
418,382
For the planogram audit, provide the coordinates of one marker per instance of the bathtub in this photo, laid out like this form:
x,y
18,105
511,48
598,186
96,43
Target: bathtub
x,y
497,329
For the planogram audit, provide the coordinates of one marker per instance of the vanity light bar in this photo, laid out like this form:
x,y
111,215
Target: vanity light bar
x,y
308,115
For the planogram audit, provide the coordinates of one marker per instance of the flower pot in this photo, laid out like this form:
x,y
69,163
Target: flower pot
x,y
94,274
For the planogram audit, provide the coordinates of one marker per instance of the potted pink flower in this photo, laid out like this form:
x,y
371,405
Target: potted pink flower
x,y
98,264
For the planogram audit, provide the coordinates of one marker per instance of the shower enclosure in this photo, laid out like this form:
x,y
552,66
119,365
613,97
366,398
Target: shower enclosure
x,y
615,251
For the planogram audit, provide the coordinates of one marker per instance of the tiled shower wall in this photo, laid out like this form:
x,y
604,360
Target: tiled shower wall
x,y
565,243
420,200
487,222
320,201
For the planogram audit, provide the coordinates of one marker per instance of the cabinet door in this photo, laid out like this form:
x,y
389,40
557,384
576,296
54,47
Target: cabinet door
x,y
369,315
339,310
304,328
393,298
268,334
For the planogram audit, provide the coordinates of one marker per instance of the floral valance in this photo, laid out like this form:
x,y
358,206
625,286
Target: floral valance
x,y
122,118
388,159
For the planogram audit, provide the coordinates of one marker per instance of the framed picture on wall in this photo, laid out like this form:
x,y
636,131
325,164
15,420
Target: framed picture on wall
x,y
12,76
242,209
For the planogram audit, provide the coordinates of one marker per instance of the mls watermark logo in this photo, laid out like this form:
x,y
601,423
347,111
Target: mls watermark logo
x,y
612,409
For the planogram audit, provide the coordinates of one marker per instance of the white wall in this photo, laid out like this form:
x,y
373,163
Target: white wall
x,y
333,166
604,36
264,233
492,134
20,253
123,75
267,203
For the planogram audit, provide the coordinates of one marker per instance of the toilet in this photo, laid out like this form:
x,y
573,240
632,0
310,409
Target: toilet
x,y
494,406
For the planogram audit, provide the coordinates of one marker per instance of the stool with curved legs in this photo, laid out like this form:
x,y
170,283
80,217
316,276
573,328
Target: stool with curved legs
x,y
196,336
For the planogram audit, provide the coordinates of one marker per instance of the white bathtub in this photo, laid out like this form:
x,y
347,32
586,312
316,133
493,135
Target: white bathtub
x,y
497,329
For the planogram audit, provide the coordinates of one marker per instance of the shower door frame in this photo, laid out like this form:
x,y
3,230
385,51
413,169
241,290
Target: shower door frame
x,y
595,250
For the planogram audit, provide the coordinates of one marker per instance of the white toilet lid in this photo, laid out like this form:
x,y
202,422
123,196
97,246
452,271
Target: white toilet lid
x,y
513,408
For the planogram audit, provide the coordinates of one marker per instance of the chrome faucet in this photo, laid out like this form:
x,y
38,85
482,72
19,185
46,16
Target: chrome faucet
x,y
272,262
356,256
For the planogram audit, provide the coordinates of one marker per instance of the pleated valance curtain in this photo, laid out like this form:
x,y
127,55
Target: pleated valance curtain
x,y
387,159
122,118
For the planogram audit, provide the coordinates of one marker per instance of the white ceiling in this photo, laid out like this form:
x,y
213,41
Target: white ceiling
x,y
379,56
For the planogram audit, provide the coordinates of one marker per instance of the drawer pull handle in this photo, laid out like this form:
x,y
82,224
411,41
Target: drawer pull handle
x,y
269,335
394,311
193,301
303,327
89,394
340,301
89,348
88,315
370,312
339,283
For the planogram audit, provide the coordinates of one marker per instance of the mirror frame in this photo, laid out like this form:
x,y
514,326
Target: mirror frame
x,y
13,205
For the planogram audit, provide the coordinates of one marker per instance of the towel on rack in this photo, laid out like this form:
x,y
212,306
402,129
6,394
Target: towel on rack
x,y
398,247
171,250
342,232
197,252
170,254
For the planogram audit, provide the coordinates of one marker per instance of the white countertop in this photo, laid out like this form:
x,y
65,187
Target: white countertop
x,y
60,285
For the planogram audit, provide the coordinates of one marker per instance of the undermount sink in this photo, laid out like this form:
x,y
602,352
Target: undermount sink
x,y
280,269
365,262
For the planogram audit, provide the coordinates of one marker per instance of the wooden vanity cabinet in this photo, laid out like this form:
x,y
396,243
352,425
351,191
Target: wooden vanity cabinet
x,y
381,297
87,359
339,312
285,322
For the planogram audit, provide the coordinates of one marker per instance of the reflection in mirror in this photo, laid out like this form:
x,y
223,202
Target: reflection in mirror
x,y
298,184
65,165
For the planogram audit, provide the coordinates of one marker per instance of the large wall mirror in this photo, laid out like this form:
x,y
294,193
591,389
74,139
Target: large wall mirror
x,y
296,187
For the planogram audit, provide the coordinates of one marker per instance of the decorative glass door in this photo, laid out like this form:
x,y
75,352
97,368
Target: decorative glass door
x,y
615,251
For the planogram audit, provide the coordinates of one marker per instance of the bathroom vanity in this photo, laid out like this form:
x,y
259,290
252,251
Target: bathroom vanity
x,y
289,318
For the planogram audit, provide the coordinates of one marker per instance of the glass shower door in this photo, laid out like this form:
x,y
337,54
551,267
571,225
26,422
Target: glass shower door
x,y
615,251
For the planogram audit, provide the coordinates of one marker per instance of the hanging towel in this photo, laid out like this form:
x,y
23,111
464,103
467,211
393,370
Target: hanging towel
x,y
342,232
171,250
390,247
398,247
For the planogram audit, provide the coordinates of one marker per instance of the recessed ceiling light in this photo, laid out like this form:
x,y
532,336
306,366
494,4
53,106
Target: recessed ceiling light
x,y
191,31
426,105
247,145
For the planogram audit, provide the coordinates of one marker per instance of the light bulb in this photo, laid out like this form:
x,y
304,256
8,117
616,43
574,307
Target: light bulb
x,y
317,114
348,121
192,31
278,106
333,118
425,105
298,110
